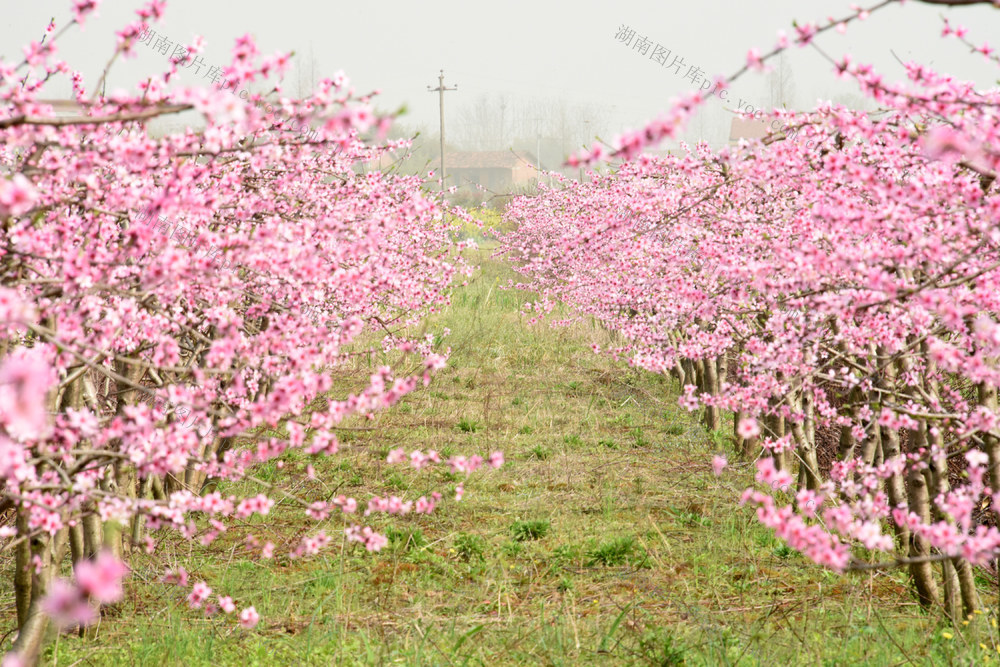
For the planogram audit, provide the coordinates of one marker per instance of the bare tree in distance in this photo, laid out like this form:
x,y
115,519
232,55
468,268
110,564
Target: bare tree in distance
x,y
499,123
305,69
780,85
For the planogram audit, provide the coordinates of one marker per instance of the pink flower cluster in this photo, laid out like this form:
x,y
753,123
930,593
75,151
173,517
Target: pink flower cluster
x,y
99,311
373,541
200,598
846,288
97,582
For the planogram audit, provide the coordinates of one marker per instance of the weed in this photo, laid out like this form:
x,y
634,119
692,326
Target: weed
x,y
405,540
526,430
638,438
470,546
659,647
565,554
612,553
540,452
689,518
268,471
573,440
784,551
766,539
395,482
720,438
622,419
610,444
512,549
529,530
468,425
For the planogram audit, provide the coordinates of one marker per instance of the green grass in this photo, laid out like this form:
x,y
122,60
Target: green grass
x,y
468,425
616,551
645,557
529,530
540,453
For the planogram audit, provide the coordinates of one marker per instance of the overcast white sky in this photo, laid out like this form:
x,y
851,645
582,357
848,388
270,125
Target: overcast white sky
x,y
524,49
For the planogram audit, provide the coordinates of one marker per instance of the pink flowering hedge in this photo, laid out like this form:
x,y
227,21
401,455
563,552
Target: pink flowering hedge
x,y
168,304
844,283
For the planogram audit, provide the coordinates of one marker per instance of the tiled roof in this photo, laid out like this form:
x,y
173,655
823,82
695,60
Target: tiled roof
x,y
486,160
748,128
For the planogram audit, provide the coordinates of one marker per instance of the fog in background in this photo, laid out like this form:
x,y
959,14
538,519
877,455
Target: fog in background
x,y
549,75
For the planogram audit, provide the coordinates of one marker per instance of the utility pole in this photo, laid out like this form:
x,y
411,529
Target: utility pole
x,y
440,90
538,147
538,154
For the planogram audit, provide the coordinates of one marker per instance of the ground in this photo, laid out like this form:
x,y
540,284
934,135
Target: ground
x,y
605,539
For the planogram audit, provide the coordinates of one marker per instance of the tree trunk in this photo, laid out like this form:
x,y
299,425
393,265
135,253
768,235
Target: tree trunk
x,y
713,421
76,548
958,580
93,535
774,427
808,461
895,485
690,376
739,442
22,569
35,630
921,573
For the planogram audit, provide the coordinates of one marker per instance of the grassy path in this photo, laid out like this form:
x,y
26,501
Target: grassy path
x,y
604,540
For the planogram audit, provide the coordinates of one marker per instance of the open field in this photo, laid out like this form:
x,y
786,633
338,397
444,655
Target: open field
x,y
605,538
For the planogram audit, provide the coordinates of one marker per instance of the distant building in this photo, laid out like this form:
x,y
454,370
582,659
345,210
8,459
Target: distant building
x,y
65,108
10,160
497,171
384,161
749,129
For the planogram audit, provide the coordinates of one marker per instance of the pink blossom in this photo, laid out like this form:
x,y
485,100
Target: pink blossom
x,y
753,59
199,593
101,578
249,618
178,577
944,142
688,401
17,195
719,464
66,606
25,379
12,307
82,8
748,428
12,659
124,248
